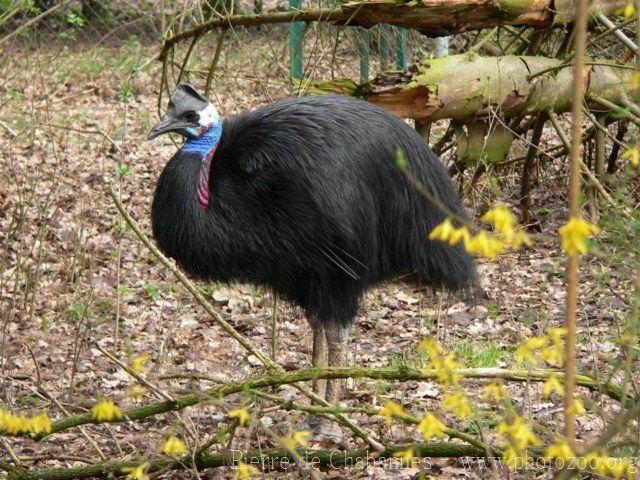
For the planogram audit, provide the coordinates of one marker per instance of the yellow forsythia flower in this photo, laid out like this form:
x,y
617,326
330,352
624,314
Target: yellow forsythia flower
x,y
560,449
106,411
432,347
485,245
597,462
457,403
448,233
460,234
578,408
11,424
242,414
137,393
629,11
528,350
513,458
444,366
517,239
173,446
296,439
495,391
501,218
136,473
442,231
245,471
392,410
552,384
406,455
621,468
605,465
574,235
431,426
556,335
301,437
552,355
549,347
504,222
518,433
445,369
139,364
633,154
39,424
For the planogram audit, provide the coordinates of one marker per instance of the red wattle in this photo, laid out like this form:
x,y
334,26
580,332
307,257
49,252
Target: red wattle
x,y
203,190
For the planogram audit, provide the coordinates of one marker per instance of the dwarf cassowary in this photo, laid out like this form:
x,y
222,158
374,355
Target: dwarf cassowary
x,y
305,196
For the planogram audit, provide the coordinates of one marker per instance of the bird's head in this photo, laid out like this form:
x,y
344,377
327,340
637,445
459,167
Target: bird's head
x,y
189,114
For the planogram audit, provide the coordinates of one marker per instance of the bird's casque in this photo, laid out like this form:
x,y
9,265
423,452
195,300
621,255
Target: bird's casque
x,y
197,119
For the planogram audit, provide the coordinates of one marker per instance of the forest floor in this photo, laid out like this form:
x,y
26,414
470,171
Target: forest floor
x,y
73,278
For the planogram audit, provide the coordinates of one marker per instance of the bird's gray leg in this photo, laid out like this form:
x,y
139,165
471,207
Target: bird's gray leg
x,y
336,336
337,357
319,360
319,356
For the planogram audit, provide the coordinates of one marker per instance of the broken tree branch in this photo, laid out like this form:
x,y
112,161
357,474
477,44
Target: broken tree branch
x,y
482,86
430,17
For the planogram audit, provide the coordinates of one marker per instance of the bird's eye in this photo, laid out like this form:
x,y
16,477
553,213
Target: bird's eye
x,y
191,116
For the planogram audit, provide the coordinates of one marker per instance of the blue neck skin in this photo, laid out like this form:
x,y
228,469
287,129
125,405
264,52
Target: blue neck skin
x,y
203,141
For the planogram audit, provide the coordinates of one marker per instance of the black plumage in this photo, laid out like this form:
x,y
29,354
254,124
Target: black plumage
x,y
306,198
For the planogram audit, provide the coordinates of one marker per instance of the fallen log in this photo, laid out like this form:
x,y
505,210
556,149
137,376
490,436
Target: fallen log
x,y
464,87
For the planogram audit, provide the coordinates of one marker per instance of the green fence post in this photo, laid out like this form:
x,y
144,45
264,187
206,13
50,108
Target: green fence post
x,y
295,44
384,35
402,38
363,52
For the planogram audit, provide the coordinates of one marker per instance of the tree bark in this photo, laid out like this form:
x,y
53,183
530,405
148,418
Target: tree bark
x,y
431,17
463,88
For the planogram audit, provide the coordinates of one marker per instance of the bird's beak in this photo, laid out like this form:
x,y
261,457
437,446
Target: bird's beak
x,y
166,124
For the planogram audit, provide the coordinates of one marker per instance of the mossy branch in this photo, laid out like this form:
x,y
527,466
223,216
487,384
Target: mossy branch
x,y
289,378
276,458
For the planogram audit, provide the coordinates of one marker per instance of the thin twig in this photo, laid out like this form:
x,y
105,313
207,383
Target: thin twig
x,y
579,45
618,33
158,391
34,20
614,108
624,211
113,143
